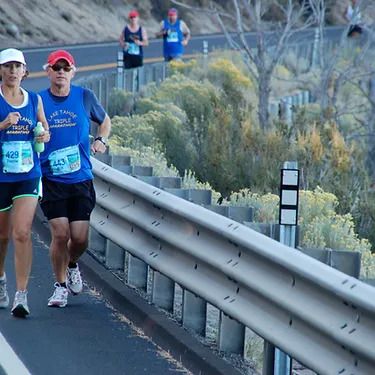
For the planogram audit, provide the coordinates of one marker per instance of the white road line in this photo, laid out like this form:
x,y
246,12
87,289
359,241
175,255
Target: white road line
x,y
9,360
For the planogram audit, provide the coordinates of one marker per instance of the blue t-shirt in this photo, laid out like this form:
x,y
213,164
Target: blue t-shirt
x,y
18,160
172,43
67,155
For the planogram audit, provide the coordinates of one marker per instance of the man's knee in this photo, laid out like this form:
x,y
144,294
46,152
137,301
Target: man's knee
x,y
80,241
61,233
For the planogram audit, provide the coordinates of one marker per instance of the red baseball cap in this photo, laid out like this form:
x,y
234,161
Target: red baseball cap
x,y
60,54
133,14
172,12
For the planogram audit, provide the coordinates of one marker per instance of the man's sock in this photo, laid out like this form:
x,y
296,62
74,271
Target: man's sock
x,y
63,284
72,265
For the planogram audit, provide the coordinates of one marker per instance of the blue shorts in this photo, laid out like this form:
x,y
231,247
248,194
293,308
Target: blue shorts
x,y
13,190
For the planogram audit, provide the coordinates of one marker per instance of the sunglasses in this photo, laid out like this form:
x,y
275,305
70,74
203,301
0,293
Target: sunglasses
x,y
57,68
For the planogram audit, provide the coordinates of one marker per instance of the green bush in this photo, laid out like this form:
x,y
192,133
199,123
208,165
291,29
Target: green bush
x,y
320,224
120,103
204,121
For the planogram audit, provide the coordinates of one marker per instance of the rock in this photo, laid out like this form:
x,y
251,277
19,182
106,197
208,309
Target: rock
x,y
13,30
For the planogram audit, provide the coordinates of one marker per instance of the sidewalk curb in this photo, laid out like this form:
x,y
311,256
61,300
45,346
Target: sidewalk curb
x,y
164,332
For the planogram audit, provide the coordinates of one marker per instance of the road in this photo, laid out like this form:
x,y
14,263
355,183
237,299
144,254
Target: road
x,y
89,336
101,57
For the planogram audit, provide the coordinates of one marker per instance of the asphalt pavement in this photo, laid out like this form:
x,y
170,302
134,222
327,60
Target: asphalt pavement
x,y
89,336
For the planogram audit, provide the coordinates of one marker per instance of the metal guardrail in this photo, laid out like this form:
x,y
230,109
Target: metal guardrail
x,y
318,315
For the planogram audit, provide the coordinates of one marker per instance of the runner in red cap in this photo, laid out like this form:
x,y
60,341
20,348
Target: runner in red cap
x,y
60,54
68,190
176,36
132,40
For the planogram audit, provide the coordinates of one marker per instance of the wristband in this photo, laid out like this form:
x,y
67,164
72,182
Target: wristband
x,y
101,139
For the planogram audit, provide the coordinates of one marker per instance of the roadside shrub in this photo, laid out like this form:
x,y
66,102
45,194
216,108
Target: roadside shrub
x,y
134,131
182,67
320,224
121,103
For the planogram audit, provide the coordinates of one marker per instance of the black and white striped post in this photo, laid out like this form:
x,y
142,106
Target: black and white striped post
x,y
277,362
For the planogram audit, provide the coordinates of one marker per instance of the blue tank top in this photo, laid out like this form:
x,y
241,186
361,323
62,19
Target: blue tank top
x,y
67,155
172,45
133,49
18,160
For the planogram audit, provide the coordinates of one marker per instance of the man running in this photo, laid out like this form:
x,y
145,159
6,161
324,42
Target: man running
x,y
132,40
68,191
176,36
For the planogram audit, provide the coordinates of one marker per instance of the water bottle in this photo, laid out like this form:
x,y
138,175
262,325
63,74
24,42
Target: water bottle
x,y
38,146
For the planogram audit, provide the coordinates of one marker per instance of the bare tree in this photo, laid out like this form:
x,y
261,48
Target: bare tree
x,y
349,63
270,45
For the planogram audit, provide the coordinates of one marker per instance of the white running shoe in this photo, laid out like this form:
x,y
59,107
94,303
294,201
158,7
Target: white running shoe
x,y
4,298
59,297
20,308
74,280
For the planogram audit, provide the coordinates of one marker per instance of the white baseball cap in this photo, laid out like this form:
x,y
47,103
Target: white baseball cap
x,y
12,54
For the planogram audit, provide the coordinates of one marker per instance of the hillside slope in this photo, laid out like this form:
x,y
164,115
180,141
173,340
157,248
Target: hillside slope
x,y
26,23
38,22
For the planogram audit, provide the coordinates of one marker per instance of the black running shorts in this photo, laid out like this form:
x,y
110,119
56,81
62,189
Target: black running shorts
x,y
73,201
9,191
132,61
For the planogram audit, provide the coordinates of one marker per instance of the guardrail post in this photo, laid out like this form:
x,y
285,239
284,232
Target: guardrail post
x,y
134,73
141,77
372,89
106,94
163,291
274,109
120,70
276,362
288,221
306,97
137,273
100,91
315,51
114,256
205,54
300,99
231,335
163,72
194,310
97,242
287,112
268,358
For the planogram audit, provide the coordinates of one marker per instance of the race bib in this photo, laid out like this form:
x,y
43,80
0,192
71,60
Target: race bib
x,y
18,157
133,49
65,160
172,36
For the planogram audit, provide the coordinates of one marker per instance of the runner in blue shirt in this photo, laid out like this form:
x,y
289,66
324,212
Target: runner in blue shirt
x,y
176,36
68,191
19,172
